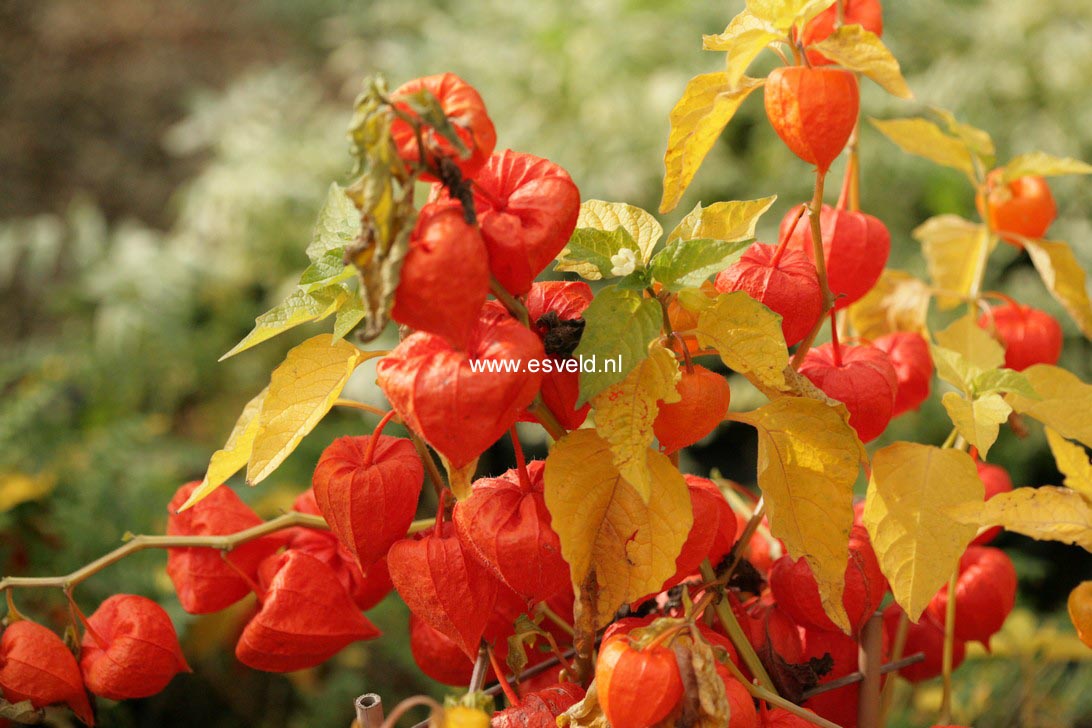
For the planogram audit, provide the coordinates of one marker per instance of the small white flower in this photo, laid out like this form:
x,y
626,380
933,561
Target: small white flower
x,y
624,261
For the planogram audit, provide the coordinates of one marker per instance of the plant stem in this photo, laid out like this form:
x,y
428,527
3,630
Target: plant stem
x,y
547,418
141,543
820,268
834,345
949,648
869,659
364,408
897,648
761,693
369,454
745,539
858,676
556,619
513,304
509,694
784,242
431,467
735,633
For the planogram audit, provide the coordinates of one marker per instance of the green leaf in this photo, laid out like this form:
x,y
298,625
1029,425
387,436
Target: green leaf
x,y
588,252
953,368
1043,165
857,49
328,269
686,263
638,280
1003,380
707,105
337,226
618,327
729,221
641,226
299,308
744,38
348,316
925,139
427,107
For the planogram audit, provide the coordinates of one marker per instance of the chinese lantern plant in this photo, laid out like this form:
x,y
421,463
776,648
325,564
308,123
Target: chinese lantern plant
x,y
520,572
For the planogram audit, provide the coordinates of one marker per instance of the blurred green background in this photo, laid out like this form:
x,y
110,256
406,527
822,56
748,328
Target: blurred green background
x,y
163,161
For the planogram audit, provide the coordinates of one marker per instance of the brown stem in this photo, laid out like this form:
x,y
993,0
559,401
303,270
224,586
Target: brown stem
x,y
744,539
856,677
141,543
869,659
513,304
364,408
735,633
820,269
897,648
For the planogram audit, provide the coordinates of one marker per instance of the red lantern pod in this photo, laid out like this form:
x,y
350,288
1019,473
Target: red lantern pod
x,y
985,594
909,354
368,496
838,705
567,300
741,706
781,718
856,246
995,479
704,399
437,656
540,708
36,665
712,534
925,637
716,639
813,110
527,210
787,285
507,524
452,398
306,616
1030,336
130,649
636,688
443,248
463,107
206,579
1023,207
866,13
863,380
795,589
442,582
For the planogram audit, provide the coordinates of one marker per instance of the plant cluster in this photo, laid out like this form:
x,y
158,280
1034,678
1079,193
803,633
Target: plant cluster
x,y
602,586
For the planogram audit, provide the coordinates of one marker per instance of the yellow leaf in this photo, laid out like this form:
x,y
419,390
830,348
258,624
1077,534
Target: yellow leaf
x,y
1048,513
744,38
861,50
1073,463
782,14
608,216
954,251
1064,404
624,414
1043,165
606,528
234,455
808,460
977,140
302,390
918,542
1064,278
461,716
979,420
898,302
925,139
16,488
727,221
965,337
748,337
707,105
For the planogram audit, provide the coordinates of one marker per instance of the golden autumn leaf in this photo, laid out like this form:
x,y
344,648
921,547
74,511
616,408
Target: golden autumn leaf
x,y
606,529
1064,278
955,249
858,49
783,14
302,390
808,460
1043,165
1064,404
728,221
16,488
1047,513
977,140
907,512
640,225
624,414
587,713
898,302
461,716
227,461
746,335
1073,463
978,349
744,38
925,139
978,420
707,105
